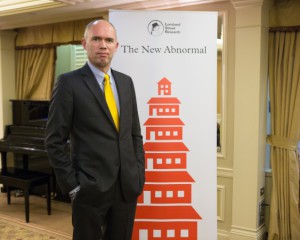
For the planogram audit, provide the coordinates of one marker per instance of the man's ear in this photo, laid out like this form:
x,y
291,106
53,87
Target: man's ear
x,y
83,43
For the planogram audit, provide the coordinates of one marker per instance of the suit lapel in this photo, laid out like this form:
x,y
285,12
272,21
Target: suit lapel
x,y
92,84
120,88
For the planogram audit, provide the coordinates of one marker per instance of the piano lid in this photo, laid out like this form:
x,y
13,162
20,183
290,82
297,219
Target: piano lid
x,y
30,112
26,134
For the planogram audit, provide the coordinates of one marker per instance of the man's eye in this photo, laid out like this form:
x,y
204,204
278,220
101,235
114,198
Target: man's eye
x,y
110,40
96,39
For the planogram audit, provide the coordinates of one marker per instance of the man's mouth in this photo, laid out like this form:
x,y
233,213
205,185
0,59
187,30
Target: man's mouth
x,y
102,54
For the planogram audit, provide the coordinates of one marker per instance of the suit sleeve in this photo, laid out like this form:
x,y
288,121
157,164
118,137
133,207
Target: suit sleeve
x,y
138,141
57,134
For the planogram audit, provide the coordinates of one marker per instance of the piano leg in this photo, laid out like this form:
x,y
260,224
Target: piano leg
x,y
8,195
54,193
25,161
26,199
3,167
3,160
48,195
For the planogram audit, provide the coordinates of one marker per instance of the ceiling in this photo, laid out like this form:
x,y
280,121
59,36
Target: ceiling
x,y
23,13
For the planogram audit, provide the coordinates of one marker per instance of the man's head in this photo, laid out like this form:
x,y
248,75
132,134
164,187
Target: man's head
x,y
100,43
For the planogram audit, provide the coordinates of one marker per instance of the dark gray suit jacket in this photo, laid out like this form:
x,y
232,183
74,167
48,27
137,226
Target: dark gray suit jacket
x,y
99,154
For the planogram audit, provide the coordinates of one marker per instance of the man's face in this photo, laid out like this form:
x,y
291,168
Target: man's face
x,y
100,45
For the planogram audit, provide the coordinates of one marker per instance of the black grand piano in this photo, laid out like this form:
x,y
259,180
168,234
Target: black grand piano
x,y
25,139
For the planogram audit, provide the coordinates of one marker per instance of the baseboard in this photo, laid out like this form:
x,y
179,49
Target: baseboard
x,y
240,233
223,235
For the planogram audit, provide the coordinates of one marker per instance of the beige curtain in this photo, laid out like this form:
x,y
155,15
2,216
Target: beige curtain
x,y
284,74
51,34
36,55
35,71
284,13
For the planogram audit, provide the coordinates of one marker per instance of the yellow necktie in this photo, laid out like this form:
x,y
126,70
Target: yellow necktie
x,y
110,100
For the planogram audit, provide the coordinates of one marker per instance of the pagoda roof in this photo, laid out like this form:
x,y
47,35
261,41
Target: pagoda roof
x,y
164,81
168,176
166,212
163,121
163,100
165,146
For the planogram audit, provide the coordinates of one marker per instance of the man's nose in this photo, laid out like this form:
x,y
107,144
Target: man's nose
x,y
102,44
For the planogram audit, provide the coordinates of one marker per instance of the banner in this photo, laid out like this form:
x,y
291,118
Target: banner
x,y
172,59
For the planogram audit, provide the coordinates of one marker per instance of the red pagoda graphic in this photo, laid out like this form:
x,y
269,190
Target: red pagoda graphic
x,y
164,209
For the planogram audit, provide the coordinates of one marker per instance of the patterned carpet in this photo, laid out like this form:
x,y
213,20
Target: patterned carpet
x,y
57,226
12,229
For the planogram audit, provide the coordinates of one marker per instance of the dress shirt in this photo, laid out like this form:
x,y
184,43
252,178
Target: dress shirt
x,y
99,75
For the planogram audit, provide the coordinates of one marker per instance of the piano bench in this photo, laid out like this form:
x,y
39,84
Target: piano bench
x,y
25,180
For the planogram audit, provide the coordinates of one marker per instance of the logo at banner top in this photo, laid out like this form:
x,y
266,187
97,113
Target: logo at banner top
x,y
155,28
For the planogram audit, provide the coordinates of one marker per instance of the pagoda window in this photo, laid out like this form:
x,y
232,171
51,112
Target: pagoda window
x,y
170,233
143,234
184,233
169,194
168,161
167,109
160,110
159,160
168,133
180,194
150,163
177,160
160,133
156,233
151,135
147,197
153,112
158,194
173,110
175,133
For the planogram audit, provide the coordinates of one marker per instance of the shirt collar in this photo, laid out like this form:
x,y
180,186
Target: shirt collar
x,y
98,73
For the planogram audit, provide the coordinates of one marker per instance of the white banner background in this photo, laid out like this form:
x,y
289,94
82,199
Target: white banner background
x,y
146,59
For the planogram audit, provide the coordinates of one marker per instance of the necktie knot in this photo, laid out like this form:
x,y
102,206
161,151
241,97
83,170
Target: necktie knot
x,y
106,79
